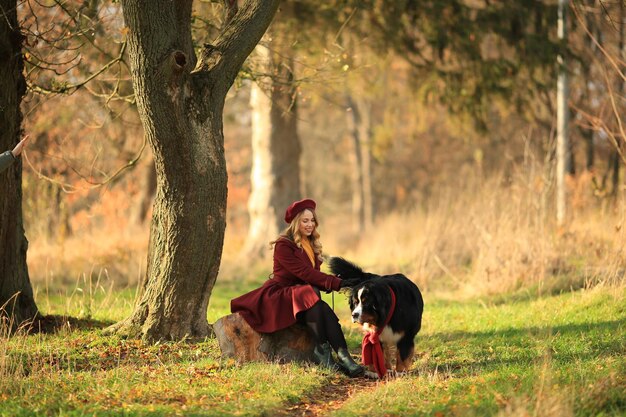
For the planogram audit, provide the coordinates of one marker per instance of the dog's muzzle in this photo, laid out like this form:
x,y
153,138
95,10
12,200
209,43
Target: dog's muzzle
x,y
355,316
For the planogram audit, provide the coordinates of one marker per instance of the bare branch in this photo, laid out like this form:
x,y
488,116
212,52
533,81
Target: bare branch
x,y
615,63
69,188
71,88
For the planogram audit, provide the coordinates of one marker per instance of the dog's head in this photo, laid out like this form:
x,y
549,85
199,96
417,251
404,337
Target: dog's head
x,y
370,299
370,303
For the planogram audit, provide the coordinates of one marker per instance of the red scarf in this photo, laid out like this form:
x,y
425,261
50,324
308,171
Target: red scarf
x,y
371,349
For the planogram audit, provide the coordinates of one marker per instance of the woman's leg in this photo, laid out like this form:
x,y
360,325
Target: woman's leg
x,y
324,323
313,318
332,327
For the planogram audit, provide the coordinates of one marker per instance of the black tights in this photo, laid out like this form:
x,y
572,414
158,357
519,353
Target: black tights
x,y
322,320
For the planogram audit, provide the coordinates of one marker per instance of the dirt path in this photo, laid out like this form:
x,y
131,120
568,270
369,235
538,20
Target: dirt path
x,y
329,397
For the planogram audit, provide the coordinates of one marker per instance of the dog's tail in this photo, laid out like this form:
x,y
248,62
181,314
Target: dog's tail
x,y
352,274
345,268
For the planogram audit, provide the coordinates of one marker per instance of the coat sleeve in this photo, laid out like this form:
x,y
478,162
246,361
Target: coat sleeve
x,y
284,253
6,159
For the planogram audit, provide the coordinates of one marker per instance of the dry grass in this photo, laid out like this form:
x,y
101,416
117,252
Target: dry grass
x,y
498,236
483,236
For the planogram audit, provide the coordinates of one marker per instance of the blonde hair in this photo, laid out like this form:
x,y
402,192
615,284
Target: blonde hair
x,y
292,232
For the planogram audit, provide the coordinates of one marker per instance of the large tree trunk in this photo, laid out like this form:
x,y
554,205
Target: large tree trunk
x,y
16,294
275,178
181,108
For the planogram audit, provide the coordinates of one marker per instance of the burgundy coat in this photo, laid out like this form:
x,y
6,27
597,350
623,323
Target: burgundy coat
x,y
274,305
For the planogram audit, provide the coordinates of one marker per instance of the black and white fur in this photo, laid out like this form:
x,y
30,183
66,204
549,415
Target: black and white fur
x,y
370,301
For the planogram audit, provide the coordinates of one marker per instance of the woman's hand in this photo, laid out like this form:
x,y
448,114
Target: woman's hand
x,y
351,282
19,147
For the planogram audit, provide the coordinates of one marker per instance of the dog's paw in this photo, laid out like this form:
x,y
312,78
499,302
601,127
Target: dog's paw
x,y
370,374
392,374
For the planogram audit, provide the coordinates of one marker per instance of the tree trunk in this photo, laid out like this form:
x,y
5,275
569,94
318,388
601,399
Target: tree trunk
x,y
621,86
238,340
614,165
360,126
275,178
181,108
16,294
588,135
562,147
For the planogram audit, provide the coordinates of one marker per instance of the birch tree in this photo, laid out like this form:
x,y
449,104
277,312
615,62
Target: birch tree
x,y
275,176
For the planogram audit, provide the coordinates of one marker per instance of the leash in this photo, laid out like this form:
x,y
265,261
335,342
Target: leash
x,y
332,296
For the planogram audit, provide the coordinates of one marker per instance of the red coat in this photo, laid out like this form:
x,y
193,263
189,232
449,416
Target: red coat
x,y
274,305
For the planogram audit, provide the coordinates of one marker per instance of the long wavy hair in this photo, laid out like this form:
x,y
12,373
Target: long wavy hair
x,y
292,232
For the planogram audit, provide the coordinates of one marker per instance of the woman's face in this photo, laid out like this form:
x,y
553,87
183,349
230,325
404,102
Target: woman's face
x,y
307,223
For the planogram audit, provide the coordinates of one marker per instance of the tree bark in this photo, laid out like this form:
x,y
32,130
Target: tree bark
x,y
275,177
181,105
16,294
238,340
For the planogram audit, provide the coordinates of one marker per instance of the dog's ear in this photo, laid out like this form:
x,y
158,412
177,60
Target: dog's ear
x,y
383,304
351,297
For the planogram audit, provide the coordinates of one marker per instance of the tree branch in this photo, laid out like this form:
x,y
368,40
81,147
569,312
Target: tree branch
x,y
69,188
239,38
66,89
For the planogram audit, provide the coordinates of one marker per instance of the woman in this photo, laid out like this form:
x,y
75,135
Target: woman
x,y
7,158
292,294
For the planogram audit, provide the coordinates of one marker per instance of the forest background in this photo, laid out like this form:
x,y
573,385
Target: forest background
x,y
461,178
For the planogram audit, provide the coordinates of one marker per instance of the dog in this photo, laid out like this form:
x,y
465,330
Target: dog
x,y
370,304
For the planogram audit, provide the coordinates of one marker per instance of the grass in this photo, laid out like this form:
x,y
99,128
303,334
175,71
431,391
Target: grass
x,y
557,354
522,317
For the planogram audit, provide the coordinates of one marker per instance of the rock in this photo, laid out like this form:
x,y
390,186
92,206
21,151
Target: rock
x,y
238,340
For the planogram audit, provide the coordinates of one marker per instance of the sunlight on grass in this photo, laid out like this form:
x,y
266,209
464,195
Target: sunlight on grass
x,y
537,357
555,356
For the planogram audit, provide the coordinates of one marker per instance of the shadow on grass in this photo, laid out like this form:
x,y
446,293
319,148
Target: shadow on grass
x,y
561,340
609,326
52,323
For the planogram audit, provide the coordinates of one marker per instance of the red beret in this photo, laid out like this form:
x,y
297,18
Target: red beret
x,y
296,207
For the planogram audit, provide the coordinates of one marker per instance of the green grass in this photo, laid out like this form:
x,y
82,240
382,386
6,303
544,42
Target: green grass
x,y
555,355
558,355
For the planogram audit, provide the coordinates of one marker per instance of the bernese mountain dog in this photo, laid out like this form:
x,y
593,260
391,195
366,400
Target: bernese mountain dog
x,y
372,299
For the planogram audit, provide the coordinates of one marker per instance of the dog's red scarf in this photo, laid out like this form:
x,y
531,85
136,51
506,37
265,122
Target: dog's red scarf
x,y
371,349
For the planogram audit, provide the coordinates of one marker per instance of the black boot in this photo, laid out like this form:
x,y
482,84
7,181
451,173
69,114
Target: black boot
x,y
350,367
323,355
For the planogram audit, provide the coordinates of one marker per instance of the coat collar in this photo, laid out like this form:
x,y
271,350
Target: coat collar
x,y
301,253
